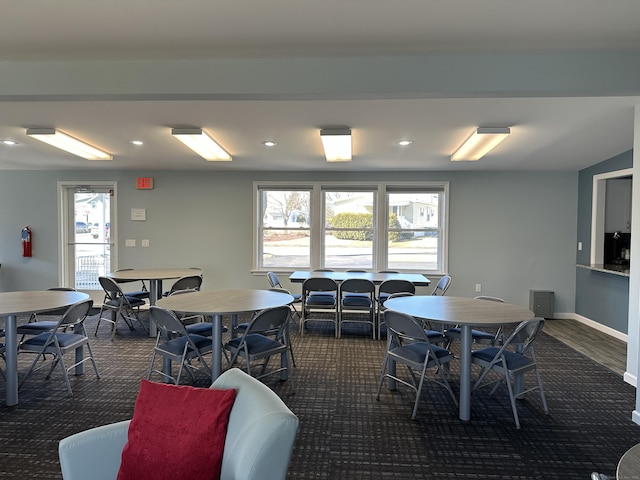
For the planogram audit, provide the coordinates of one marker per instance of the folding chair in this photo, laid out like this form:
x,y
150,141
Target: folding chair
x,y
357,297
120,305
266,335
511,362
408,344
174,343
58,342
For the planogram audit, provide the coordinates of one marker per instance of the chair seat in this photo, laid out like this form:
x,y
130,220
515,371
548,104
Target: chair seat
x,y
417,352
117,302
321,299
434,335
515,361
257,344
176,346
357,301
202,328
66,340
138,294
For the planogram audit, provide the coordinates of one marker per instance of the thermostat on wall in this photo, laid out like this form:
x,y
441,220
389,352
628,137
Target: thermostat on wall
x,y
139,214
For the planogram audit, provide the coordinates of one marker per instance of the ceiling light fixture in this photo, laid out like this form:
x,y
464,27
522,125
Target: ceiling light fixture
x,y
483,140
337,144
201,143
137,143
269,143
404,143
65,142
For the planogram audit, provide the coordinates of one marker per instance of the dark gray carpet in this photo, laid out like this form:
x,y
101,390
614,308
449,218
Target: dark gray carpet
x,y
344,432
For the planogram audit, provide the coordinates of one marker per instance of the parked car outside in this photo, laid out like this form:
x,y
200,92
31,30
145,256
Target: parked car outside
x,y
82,227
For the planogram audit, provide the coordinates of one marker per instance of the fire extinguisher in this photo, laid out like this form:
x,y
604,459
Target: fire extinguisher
x,y
26,241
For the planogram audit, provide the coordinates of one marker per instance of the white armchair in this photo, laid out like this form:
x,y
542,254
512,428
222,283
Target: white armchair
x,y
258,445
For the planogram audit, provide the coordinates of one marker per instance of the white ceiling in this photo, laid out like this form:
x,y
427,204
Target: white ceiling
x,y
579,131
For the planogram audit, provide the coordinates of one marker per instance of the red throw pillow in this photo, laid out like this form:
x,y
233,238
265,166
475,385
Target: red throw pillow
x,y
176,432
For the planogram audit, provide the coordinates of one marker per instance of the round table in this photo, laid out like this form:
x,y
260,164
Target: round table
x,y
217,303
467,313
13,304
629,464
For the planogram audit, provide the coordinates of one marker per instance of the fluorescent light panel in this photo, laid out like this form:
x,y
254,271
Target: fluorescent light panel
x,y
201,143
481,142
65,142
337,144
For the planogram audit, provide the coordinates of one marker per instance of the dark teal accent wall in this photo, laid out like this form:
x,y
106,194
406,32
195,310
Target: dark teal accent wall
x,y
601,297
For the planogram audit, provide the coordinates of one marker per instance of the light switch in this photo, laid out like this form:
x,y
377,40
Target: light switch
x,y
130,242
144,242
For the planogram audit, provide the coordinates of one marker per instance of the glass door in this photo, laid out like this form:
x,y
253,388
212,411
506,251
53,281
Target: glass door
x,y
88,229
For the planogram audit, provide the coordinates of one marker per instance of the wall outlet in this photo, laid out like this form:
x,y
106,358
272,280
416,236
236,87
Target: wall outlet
x,y
478,287
130,242
144,242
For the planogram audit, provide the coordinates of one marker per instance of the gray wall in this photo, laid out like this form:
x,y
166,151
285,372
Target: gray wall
x,y
509,231
601,297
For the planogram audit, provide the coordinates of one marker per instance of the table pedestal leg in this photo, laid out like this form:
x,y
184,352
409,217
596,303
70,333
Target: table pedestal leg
x,y
216,360
154,288
465,373
11,360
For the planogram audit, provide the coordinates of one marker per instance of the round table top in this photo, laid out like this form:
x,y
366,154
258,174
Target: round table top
x,y
629,464
459,310
35,301
153,273
225,302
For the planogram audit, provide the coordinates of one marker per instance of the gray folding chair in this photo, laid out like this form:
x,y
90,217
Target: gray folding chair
x,y
385,290
142,293
511,362
266,335
174,343
319,296
119,305
59,341
190,282
357,297
275,283
442,286
408,344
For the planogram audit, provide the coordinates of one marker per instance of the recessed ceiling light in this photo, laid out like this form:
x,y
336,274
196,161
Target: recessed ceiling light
x,y
404,143
269,143
9,142
137,142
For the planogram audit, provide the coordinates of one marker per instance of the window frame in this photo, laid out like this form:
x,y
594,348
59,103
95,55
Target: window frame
x,y
380,228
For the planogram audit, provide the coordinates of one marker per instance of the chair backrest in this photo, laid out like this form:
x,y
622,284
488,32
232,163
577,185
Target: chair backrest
x,y
110,287
75,315
397,286
388,271
521,339
358,285
190,282
319,285
166,322
405,326
442,286
488,298
269,320
323,270
274,281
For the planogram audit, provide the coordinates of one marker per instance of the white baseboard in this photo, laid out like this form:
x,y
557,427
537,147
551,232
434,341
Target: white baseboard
x,y
593,324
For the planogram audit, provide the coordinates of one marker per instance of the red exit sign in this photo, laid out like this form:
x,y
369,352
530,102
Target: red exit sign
x,y
145,183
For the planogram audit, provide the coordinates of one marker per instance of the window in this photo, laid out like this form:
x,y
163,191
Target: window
x,y
351,226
